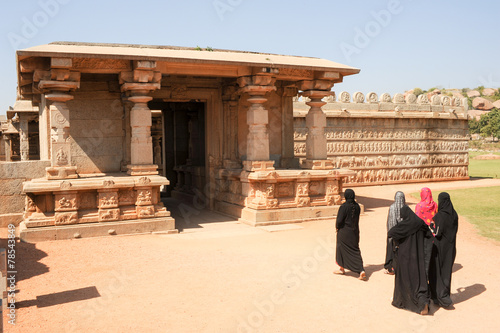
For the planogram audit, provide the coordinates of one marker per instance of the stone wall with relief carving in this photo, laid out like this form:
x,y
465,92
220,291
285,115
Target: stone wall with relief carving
x,y
392,140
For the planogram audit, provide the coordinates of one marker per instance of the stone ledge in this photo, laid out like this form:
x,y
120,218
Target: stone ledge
x,y
40,234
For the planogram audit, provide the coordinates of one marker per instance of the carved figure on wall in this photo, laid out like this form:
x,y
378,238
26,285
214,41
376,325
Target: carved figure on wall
x,y
67,203
61,157
144,197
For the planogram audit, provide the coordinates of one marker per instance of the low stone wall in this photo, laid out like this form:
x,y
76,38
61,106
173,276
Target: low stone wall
x,y
12,176
403,139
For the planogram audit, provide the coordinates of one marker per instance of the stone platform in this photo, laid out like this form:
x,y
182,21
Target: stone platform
x,y
39,234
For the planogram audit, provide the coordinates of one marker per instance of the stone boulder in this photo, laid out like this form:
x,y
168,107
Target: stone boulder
x,y
489,91
481,104
497,104
432,93
473,93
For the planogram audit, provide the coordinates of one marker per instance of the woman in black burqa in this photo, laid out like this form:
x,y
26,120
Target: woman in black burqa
x,y
444,251
348,253
413,242
393,218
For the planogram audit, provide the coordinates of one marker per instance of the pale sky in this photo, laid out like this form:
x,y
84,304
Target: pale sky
x,y
397,44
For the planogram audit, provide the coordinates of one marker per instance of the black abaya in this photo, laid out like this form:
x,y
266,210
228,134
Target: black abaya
x,y
348,253
413,241
444,251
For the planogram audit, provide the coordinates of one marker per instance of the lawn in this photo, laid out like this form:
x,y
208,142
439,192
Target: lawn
x,y
483,168
480,206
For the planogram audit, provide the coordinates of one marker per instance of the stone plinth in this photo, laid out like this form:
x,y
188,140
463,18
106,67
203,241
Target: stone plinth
x,y
281,196
52,205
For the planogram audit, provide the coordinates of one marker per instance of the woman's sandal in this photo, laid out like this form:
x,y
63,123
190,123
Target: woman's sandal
x,y
362,276
340,272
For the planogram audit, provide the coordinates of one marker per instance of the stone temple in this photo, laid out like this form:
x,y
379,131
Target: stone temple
x,y
101,132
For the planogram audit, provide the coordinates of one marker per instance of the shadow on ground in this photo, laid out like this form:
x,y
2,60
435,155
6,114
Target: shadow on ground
x,y
61,298
192,214
26,262
371,203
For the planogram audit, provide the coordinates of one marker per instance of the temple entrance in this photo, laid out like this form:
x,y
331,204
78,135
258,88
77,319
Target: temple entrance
x,y
178,133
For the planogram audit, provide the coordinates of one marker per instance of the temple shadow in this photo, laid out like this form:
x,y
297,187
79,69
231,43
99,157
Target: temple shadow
x,y
372,203
26,262
68,296
189,215
456,267
465,293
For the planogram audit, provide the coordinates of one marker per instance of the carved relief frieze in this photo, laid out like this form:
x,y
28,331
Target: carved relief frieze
x,y
108,199
144,197
66,202
145,211
65,218
109,214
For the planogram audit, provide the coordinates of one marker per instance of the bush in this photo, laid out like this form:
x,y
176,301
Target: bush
x,y
418,91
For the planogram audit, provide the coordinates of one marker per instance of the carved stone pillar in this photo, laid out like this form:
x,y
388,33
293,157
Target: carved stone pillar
x,y
257,119
57,85
316,150
231,157
194,147
288,159
138,84
8,152
24,146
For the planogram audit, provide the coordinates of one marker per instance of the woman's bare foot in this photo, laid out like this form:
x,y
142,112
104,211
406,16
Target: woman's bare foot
x,y
362,276
425,310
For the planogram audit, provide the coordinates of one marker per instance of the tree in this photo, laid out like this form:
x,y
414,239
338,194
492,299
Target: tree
x,y
490,124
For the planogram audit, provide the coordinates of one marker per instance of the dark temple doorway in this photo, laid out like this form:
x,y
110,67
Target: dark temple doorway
x,y
178,133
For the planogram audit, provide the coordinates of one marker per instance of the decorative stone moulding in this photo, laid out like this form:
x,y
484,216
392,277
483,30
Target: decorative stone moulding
x,y
422,99
372,97
345,97
411,99
385,98
358,97
446,100
398,98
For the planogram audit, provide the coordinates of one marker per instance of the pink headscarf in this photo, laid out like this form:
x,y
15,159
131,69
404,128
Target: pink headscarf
x,y
426,208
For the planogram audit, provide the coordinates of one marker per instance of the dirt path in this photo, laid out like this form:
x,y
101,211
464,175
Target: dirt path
x,y
228,277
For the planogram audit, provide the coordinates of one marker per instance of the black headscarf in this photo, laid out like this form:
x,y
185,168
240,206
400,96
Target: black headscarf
x,y
410,224
446,218
349,196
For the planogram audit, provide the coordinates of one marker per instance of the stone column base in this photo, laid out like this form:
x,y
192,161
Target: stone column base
x,y
258,165
67,172
142,226
317,164
139,170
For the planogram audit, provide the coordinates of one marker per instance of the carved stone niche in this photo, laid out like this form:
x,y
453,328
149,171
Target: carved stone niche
x,y
66,201
108,199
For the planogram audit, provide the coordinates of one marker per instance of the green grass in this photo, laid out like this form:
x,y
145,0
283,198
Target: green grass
x,y
483,168
480,206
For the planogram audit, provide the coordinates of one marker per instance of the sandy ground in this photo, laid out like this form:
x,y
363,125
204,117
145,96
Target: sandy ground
x,y
223,276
